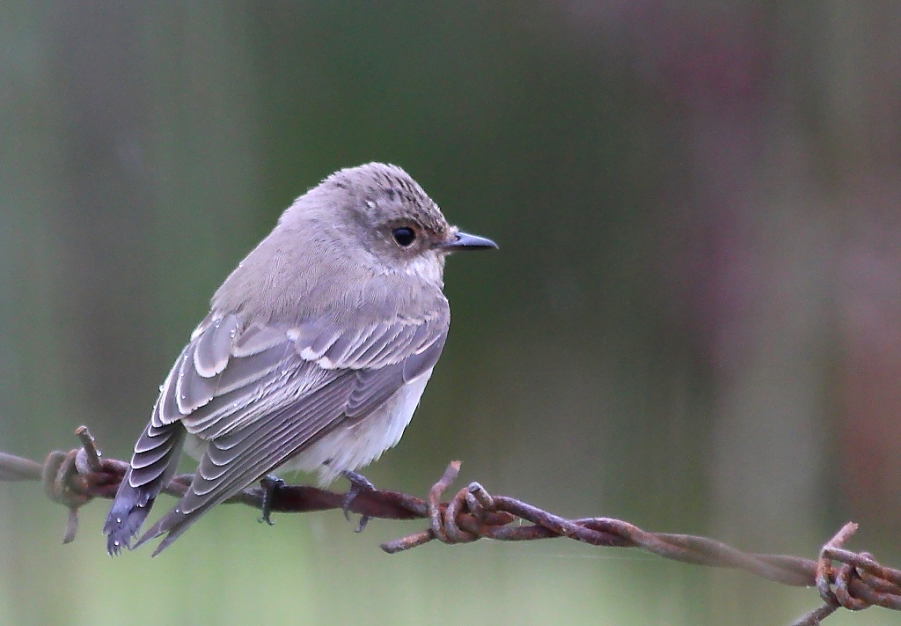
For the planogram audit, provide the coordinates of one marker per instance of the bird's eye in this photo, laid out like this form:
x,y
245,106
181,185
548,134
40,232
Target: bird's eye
x,y
403,236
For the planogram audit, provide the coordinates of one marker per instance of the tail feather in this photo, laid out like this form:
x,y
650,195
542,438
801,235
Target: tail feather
x,y
139,488
129,510
172,524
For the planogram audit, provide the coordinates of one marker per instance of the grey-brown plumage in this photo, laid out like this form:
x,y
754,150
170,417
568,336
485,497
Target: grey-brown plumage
x,y
314,355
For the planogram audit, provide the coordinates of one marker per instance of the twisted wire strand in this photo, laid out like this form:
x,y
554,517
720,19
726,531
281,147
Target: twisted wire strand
x,y
844,579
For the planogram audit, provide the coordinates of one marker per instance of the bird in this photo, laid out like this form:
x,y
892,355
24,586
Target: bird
x,y
314,354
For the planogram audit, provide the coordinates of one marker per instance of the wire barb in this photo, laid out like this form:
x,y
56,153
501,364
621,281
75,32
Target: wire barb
x,y
844,579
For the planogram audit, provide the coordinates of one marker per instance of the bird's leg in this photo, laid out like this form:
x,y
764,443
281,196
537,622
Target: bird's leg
x,y
270,485
358,484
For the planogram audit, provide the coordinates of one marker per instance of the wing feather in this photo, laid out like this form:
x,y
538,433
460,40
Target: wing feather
x,y
153,445
268,446
245,371
348,344
166,410
278,438
193,389
372,388
421,362
242,407
157,448
214,345
381,344
256,339
262,394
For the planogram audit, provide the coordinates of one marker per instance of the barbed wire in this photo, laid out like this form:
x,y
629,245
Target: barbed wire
x,y
855,582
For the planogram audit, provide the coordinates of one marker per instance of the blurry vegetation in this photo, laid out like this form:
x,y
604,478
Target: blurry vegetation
x,y
693,321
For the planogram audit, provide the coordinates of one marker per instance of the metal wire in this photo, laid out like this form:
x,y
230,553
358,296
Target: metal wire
x,y
844,579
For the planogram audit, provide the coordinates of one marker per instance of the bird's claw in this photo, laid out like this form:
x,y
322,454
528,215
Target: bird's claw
x,y
358,484
270,485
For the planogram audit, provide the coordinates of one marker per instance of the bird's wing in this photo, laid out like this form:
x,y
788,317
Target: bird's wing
x,y
262,394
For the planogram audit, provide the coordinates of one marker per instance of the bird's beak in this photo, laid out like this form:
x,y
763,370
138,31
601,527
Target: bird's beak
x,y
465,241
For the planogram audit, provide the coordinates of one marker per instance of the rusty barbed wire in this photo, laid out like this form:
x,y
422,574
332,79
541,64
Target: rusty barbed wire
x,y
857,582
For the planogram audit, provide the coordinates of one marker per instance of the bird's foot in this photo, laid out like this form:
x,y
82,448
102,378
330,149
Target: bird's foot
x,y
270,485
358,484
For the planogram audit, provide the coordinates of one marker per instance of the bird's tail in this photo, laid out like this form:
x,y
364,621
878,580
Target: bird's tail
x,y
152,467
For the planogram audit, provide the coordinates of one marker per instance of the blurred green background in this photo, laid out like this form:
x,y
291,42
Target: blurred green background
x,y
693,323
